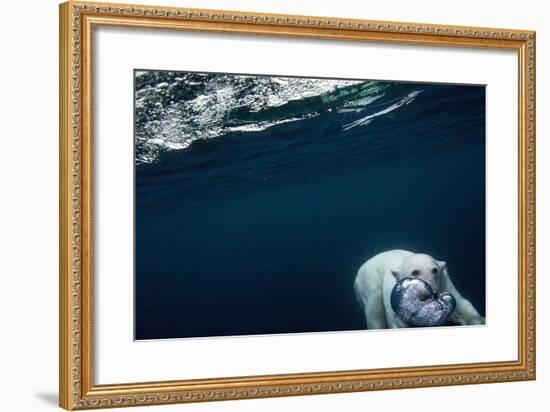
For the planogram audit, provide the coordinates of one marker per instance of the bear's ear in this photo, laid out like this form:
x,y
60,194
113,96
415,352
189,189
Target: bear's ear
x,y
396,275
442,264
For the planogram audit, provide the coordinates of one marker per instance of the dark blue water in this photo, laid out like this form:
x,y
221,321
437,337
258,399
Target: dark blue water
x,y
260,227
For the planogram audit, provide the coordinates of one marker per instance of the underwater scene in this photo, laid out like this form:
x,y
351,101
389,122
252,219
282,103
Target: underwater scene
x,y
259,198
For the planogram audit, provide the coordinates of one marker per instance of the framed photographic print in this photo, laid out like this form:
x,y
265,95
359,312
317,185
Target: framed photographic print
x,y
257,205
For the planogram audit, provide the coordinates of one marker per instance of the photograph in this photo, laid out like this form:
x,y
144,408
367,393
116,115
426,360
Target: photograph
x,y
270,204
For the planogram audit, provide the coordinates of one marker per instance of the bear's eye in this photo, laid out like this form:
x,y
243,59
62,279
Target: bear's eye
x,y
415,272
434,271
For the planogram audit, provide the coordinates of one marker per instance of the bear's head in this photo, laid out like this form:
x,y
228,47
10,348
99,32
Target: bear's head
x,y
423,267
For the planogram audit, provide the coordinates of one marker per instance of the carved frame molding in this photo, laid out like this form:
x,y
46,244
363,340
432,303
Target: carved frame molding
x,y
77,20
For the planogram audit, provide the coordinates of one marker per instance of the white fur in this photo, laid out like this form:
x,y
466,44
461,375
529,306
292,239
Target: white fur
x,y
377,277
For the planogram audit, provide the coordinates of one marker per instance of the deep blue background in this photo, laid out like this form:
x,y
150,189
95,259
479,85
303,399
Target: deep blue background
x,y
255,233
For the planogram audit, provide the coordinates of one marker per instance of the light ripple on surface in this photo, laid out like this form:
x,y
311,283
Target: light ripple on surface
x,y
175,109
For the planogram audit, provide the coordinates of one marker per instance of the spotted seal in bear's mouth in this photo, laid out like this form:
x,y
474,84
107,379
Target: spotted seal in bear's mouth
x,y
415,303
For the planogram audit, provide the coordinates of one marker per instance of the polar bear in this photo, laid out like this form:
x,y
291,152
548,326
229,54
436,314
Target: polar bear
x,y
377,277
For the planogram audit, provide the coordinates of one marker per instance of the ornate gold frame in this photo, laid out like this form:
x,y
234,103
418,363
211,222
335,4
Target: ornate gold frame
x,y
77,388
